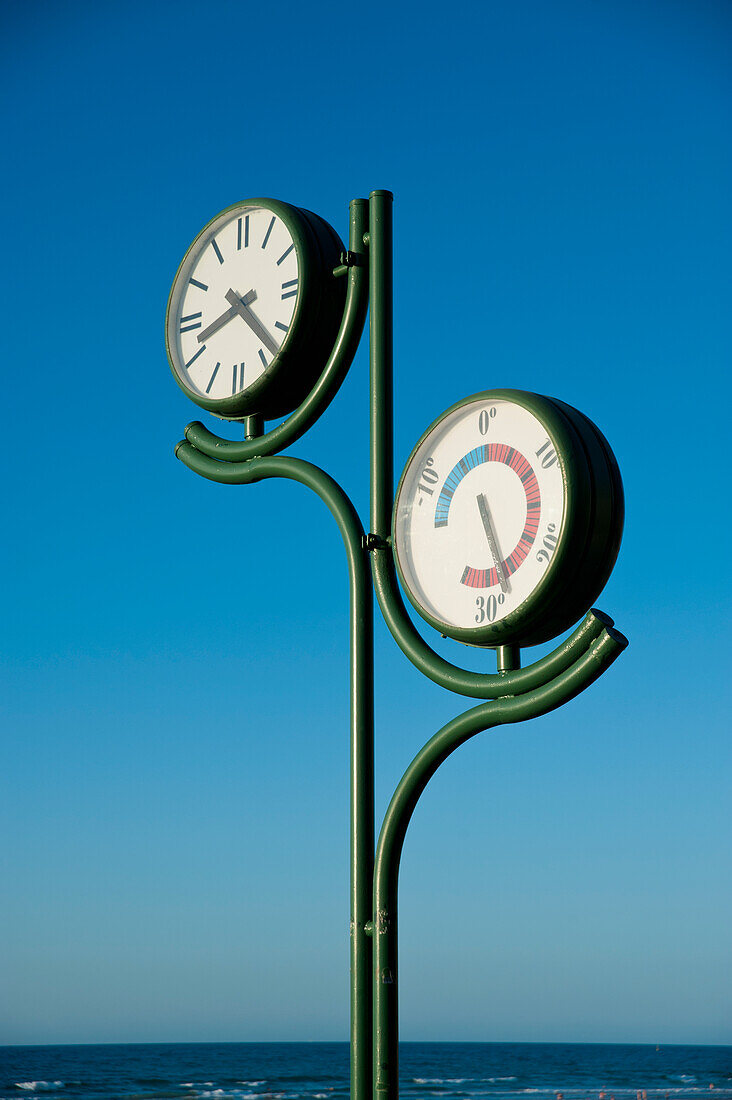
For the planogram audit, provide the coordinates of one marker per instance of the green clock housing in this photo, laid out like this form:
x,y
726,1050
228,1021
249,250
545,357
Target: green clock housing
x,y
254,309
508,519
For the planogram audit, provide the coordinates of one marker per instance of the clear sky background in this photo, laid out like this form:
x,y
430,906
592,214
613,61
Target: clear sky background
x,y
174,781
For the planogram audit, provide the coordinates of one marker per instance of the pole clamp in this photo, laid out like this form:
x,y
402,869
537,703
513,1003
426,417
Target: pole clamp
x,y
374,542
347,261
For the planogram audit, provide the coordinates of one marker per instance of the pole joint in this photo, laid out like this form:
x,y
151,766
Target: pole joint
x,y
373,542
348,260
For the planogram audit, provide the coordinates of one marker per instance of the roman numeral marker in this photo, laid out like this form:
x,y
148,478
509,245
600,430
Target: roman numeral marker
x,y
191,317
285,254
245,220
217,250
211,379
278,324
237,368
261,356
269,230
199,352
195,282
290,293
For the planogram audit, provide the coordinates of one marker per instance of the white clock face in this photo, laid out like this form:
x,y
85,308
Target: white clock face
x,y
232,302
479,513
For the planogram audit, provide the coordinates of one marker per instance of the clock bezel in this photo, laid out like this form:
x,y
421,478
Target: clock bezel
x,y
291,373
538,618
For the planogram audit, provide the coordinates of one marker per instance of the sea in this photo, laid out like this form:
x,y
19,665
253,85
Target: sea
x,y
320,1071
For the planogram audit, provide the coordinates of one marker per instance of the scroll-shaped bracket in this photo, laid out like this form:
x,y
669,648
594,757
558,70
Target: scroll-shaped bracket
x,y
604,648
475,685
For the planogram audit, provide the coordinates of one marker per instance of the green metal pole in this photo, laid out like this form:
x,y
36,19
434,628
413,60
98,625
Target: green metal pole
x,y
362,722
601,654
380,345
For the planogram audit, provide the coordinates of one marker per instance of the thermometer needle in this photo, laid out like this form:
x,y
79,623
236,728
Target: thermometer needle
x,y
492,540
225,317
241,307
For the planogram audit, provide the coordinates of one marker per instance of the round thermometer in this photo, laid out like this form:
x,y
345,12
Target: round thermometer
x,y
506,516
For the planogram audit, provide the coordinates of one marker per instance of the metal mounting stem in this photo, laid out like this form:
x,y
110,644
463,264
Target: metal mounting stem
x,y
508,658
253,426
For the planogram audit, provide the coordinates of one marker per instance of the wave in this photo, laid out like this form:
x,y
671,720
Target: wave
x,y
443,1080
238,1094
39,1086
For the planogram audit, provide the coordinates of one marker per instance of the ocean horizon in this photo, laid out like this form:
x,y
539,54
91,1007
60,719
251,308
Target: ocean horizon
x,y
320,1071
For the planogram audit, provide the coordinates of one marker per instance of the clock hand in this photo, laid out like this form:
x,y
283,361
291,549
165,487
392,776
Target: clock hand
x,y
492,540
241,306
225,317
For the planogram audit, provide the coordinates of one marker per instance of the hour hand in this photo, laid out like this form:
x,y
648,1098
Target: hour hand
x,y
241,306
490,535
226,316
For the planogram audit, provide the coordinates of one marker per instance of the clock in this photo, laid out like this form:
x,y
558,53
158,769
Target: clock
x,y
507,519
255,309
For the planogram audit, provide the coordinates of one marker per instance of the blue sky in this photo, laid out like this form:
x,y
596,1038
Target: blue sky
x,y
173,794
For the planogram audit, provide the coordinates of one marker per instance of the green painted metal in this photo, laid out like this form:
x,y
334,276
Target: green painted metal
x,y
475,685
362,719
381,357
517,694
508,658
587,668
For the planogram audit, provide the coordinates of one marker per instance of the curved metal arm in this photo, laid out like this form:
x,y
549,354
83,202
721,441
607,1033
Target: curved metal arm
x,y
476,685
586,669
335,370
362,718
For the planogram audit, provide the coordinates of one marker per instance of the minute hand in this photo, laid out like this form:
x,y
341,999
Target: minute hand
x,y
492,541
240,306
225,317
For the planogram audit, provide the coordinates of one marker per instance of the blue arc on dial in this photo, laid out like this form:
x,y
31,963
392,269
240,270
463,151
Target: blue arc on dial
x,y
509,456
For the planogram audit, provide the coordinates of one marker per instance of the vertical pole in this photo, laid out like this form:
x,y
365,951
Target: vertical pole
x,y
380,330
362,787
385,989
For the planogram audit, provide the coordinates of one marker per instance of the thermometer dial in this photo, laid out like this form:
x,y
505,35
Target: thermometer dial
x,y
492,519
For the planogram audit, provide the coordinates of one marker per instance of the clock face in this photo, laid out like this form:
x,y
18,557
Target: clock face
x,y
480,516
233,302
